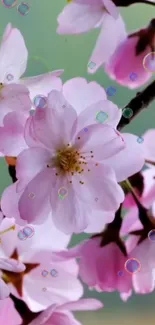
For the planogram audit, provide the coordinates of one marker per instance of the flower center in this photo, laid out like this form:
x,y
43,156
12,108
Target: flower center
x,y
67,160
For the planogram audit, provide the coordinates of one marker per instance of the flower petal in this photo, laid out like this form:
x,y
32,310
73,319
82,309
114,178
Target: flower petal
x,y
101,142
4,290
76,18
12,140
89,115
11,265
82,304
128,161
43,84
30,163
82,94
112,33
13,54
34,202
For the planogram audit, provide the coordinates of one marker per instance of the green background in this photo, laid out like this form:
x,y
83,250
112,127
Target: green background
x,y
71,53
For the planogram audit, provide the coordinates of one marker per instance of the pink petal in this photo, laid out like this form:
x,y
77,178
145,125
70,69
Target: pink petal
x,y
58,114
76,18
112,33
43,84
12,140
76,218
88,116
36,208
9,203
82,304
7,32
98,220
149,145
44,316
102,140
124,61
64,318
8,314
13,54
128,161
11,265
30,163
99,183
4,290
131,222
58,289
111,8
29,133
82,94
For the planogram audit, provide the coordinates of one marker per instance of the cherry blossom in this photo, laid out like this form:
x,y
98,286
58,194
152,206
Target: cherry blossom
x,y
8,313
32,256
126,65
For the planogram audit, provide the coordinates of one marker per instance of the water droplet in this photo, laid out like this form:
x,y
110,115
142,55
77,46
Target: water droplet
x,y
120,273
85,129
44,273
133,76
149,62
62,192
28,231
132,265
151,235
31,195
9,3
101,117
91,65
140,140
23,8
21,235
127,112
111,91
9,77
40,101
54,273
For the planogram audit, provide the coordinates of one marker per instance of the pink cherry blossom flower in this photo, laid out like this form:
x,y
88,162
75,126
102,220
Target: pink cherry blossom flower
x,y
38,291
81,16
15,98
128,59
99,267
50,165
8,313
56,315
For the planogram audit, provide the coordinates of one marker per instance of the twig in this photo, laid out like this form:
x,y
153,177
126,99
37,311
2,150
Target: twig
x,y
138,103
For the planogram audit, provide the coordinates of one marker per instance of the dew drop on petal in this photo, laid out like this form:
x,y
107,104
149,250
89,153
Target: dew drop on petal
x,y
62,192
23,8
91,65
31,195
132,265
140,140
151,235
9,3
101,117
133,76
40,101
120,273
54,273
44,273
21,235
28,231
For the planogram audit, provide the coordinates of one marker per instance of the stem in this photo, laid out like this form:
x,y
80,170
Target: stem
x,y
138,103
142,210
150,162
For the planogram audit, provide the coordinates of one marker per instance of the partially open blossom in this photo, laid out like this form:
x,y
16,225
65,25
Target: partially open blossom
x,y
15,93
33,256
129,56
99,267
8,313
62,314
81,16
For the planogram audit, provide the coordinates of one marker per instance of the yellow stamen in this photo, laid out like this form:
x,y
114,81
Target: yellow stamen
x,y
6,230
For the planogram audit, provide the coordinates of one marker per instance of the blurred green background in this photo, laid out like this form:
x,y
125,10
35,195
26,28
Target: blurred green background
x,y
71,53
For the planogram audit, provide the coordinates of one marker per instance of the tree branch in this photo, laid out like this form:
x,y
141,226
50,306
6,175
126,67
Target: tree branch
x,y
138,103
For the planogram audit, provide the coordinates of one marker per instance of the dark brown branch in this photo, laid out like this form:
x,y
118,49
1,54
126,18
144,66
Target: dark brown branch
x,y
138,103
23,310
